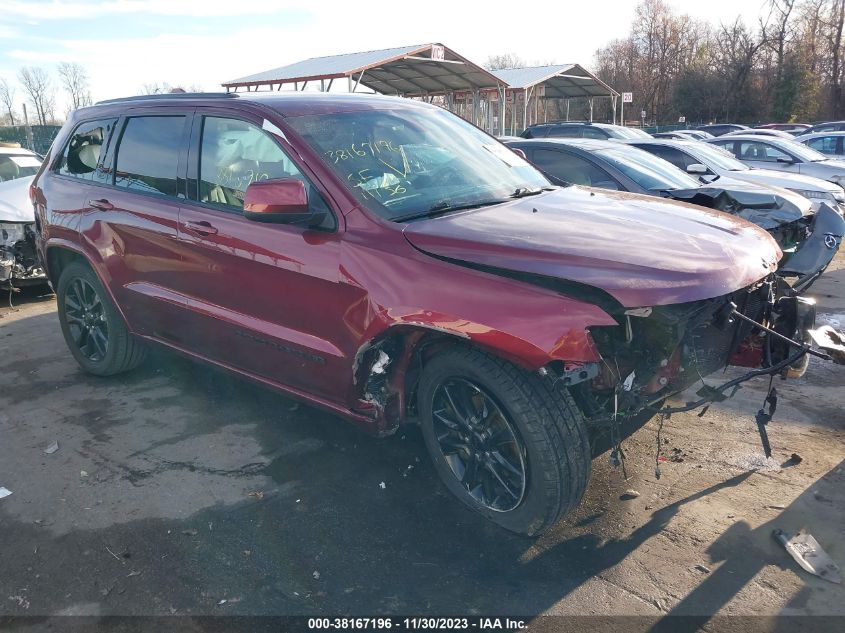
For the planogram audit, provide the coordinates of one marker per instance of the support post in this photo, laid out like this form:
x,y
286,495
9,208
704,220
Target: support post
x,y
567,109
591,109
502,108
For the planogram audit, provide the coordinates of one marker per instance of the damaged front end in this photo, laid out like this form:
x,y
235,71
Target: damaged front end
x,y
659,352
19,263
808,240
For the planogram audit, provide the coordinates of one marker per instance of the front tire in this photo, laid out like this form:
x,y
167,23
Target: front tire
x,y
506,442
93,329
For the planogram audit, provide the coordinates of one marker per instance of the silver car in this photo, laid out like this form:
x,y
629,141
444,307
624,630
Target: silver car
x,y
828,143
782,155
712,163
762,132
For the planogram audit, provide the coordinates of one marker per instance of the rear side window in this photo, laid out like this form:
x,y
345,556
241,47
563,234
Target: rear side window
x,y
824,144
568,131
728,146
594,132
749,150
573,169
81,155
674,156
148,154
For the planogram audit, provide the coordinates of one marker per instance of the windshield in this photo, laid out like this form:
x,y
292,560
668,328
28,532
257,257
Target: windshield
x,y
411,161
632,132
14,166
648,171
712,155
803,152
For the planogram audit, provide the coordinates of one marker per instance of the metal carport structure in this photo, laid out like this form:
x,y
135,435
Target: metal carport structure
x,y
421,71
530,86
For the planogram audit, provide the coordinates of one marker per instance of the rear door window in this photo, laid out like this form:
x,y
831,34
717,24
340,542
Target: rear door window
x,y
678,158
824,144
752,150
567,131
148,154
729,146
573,169
594,132
81,155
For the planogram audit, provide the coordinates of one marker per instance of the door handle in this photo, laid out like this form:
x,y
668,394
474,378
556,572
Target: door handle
x,y
201,228
101,204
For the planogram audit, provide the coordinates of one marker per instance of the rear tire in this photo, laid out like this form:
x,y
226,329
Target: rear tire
x,y
478,412
93,328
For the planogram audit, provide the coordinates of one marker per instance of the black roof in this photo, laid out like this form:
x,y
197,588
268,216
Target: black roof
x,y
166,96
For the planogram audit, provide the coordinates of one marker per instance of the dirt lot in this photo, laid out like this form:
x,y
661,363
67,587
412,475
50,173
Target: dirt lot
x,y
180,490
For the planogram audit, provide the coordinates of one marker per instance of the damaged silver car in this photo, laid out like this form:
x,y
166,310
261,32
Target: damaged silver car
x,y
19,265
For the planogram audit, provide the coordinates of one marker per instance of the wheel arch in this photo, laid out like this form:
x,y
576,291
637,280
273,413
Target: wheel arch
x,y
387,367
60,255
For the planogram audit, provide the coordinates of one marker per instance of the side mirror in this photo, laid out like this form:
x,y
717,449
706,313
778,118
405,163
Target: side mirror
x,y
697,168
786,160
519,153
279,200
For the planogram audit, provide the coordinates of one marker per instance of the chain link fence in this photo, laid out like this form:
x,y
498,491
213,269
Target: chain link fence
x,y
36,138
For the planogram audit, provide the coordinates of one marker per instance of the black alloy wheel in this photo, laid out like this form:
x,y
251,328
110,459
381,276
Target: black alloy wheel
x,y
86,320
480,444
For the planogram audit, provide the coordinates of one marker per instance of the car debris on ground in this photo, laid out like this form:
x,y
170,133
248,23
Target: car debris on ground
x,y
4,492
51,448
809,554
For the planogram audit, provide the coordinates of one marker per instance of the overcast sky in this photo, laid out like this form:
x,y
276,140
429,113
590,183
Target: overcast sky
x,y
126,43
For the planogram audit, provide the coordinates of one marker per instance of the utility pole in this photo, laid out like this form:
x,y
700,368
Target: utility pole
x,y
28,130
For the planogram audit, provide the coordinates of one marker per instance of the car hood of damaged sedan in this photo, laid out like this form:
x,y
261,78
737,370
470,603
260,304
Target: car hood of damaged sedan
x,y
15,205
641,250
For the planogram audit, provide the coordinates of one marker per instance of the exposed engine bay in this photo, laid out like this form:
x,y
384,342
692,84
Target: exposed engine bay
x,y
19,264
659,352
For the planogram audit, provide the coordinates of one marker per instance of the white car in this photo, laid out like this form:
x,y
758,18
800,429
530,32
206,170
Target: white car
x,y
19,265
711,162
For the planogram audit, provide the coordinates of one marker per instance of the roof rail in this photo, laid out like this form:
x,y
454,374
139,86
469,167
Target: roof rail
x,y
173,95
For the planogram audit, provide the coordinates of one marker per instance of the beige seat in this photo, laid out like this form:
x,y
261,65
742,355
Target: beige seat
x,y
89,156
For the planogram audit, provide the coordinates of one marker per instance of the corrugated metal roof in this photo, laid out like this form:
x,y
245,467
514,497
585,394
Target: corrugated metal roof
x,y
559,80
332,65
527,77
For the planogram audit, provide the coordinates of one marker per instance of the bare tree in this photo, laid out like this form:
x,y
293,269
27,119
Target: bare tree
x,y
7,96
508,60
836,49
160,88
36,82
74,79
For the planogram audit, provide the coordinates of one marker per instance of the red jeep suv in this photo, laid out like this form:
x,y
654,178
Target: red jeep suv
x,y
384,259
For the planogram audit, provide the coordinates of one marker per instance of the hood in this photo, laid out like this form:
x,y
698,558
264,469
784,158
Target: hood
x,y
833,170
15,205
785,179
766,206
641,250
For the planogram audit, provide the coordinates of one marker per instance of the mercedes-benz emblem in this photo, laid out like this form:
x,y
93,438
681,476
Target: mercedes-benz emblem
x,y
830,240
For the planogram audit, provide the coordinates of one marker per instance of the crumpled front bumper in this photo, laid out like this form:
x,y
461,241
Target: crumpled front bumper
x,y
19,263
814,255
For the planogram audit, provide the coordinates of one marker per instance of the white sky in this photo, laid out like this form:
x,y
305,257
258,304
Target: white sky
x,y
126,43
